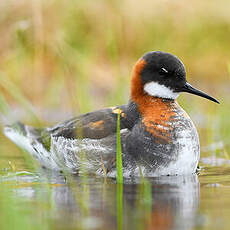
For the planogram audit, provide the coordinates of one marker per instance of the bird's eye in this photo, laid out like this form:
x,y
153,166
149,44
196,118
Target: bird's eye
x,y
163,71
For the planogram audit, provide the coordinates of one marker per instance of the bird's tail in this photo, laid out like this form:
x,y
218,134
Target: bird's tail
x,y
34,141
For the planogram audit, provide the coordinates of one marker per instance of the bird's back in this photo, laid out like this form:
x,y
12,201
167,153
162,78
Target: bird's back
x,y
87,141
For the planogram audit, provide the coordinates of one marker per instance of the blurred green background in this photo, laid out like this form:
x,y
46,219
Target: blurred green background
x,y
61,58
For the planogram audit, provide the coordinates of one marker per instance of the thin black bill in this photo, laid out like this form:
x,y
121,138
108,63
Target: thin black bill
x,y
190,89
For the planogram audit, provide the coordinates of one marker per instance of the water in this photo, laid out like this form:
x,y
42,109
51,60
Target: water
x,y
47,200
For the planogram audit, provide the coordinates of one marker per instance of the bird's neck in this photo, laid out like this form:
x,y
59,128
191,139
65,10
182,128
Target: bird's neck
x,y
137,90
146,103
155,107
155,112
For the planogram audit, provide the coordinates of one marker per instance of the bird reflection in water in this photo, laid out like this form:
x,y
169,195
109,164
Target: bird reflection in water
x,y
168,202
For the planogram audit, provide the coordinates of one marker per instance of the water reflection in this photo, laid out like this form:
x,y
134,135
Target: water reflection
x,y
95,203
175,201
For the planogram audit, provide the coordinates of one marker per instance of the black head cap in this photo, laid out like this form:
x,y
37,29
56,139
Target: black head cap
x,y
163,68
167,70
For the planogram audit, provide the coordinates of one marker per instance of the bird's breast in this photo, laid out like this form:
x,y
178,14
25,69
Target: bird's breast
x,y
161,118
165,141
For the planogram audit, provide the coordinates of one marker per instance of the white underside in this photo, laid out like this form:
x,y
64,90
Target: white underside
x,y
78,154
185,163
157,90
188,156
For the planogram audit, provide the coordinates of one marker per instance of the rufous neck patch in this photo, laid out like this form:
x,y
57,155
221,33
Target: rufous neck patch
x,y
136,84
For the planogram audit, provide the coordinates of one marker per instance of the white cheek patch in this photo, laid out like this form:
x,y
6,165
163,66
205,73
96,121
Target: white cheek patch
x,y
157,90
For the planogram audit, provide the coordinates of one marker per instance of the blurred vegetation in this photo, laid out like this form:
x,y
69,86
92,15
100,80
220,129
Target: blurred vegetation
x,y
61,58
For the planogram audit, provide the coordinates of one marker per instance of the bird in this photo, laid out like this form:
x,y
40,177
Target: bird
x,y
157,136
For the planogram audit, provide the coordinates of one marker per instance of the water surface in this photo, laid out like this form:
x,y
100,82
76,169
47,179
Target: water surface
x,y
55,201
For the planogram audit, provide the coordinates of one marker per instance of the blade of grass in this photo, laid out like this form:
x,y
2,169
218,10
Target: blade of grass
x,y
119,205
145,195
119,156
119,176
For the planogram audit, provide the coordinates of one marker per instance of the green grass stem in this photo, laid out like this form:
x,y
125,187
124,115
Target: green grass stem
x,y
119,206
119,154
